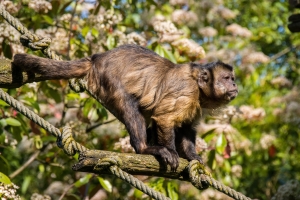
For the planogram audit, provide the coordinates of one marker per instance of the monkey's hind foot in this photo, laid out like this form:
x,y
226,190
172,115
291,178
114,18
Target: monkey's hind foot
x,y
196,157
168,156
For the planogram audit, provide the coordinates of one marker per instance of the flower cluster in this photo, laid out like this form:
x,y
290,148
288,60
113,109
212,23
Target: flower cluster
x,y
135,38
291,112
237,170
10,6
222,12
189,47
281,82
183,17
66,17
40,6
12,36
208,31
105,20
226,55
237,30
255,57
201,145
9,192
124,145
251,114
179,2
166,30
267,140
36,196
8,32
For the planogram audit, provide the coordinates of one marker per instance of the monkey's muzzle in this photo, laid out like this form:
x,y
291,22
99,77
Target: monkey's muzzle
x,y
232,94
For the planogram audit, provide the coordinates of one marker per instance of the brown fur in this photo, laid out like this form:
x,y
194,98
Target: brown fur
x,y
156,99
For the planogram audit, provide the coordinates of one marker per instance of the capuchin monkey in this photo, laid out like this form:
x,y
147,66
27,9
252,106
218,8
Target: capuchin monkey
x,y
153,97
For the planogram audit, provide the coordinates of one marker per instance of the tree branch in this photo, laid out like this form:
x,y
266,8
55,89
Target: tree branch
x,y
26,164
135,164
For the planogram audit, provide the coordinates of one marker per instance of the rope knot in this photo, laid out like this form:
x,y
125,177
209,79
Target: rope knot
x,y
34,42
66,142
77,85
197,174
108,162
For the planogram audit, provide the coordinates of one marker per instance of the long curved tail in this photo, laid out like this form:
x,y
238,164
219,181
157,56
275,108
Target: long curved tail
x,y
52,69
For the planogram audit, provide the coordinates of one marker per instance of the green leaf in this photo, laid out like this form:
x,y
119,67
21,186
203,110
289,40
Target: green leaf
x,y
209,135
221,143
3,103
48,19
38,142
212,159
105,184
172,190
3,122
73,96
85,30
84,180
95,33
138,193
110,42
159,50
169,55
12,122
4,179
51,93
88,106
26,184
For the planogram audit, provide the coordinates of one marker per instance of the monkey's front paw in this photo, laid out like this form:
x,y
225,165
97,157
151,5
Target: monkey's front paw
x,y
170,157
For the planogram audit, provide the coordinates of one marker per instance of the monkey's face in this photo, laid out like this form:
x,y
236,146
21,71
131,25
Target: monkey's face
x,y
218,84
225,87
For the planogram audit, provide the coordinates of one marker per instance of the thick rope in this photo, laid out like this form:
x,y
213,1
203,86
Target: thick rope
x,y
113,165
201,181
35,42
137,183
64,139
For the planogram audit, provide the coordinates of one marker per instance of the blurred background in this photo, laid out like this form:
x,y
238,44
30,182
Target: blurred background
x,y
252,145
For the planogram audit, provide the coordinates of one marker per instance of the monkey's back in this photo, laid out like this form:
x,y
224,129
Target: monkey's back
x,y
155,82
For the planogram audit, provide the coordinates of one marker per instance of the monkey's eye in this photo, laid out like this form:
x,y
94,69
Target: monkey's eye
x,y
226,77
233,79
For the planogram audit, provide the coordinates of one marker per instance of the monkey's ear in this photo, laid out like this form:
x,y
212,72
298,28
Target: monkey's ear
x,y
203,78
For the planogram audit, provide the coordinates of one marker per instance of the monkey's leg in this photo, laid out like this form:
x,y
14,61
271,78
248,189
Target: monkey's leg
x,y
136,126
185,143
166,137
152,135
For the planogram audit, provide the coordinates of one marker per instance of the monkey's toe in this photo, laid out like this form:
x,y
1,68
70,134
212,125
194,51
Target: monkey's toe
x,y
197,157
170,157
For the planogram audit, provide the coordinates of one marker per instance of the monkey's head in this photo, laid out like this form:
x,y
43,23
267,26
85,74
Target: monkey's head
x,y
217,85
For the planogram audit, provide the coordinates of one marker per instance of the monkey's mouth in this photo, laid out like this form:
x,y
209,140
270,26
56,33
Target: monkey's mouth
x,y
232,94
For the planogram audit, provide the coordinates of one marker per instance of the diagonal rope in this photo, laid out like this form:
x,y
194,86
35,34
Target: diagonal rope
x,y
137,183
36,42
64,138
112,165
201,180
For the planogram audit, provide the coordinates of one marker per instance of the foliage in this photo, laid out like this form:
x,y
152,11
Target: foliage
x,y
252,146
